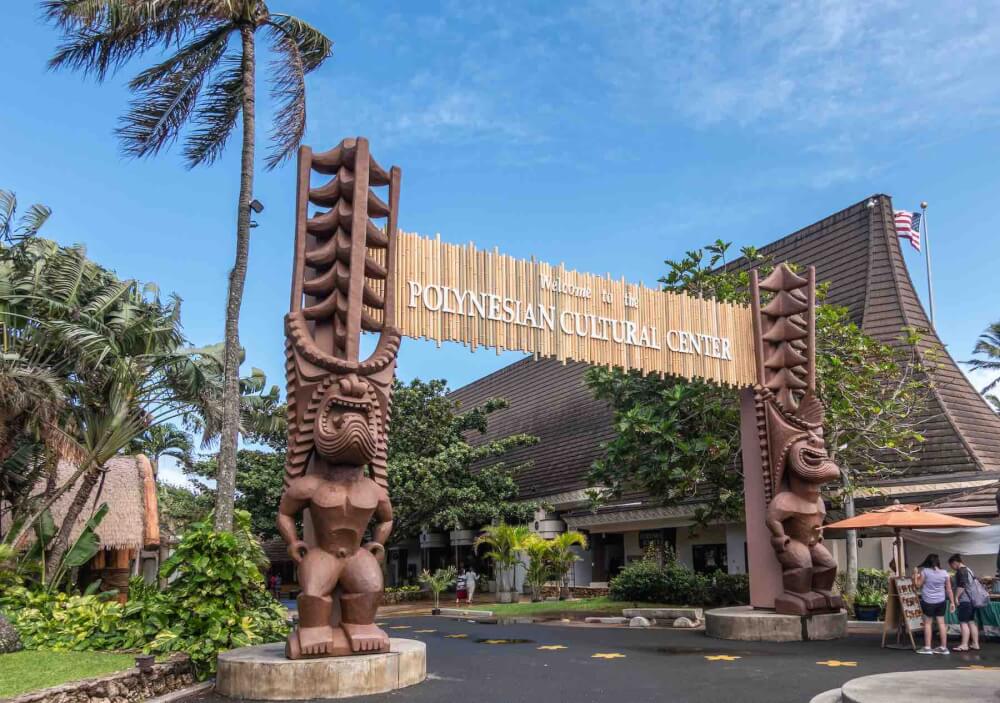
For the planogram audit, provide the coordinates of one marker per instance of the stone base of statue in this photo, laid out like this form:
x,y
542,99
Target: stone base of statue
x,y
263,672
750,625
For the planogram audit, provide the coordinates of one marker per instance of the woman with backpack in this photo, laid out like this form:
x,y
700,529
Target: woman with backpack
x,y
967,592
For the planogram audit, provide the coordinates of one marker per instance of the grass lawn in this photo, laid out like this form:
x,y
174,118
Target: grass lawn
x,y
602,606
30,670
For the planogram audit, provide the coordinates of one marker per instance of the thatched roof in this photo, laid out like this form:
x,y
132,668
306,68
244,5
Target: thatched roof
x,y
129,489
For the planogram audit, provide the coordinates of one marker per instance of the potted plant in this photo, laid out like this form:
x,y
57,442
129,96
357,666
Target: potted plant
x,y
868,604
539,569
562,557
505,542
437,582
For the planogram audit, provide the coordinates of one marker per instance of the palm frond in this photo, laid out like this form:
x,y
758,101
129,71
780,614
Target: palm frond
x,y
33,220
299,49
103,36
215,116
168,93
8,206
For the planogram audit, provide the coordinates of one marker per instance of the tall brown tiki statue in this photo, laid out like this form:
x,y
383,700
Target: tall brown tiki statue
x,y
338,404
790,425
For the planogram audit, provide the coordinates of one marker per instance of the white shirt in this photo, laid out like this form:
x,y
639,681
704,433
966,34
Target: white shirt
x,y
470,579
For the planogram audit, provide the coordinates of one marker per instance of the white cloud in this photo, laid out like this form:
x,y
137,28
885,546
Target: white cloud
x,y
801,65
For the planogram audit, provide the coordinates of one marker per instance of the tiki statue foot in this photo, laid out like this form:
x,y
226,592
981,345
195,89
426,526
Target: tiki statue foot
x,y
366,638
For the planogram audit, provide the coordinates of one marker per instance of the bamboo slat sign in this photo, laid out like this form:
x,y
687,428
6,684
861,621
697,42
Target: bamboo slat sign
x,y
458,293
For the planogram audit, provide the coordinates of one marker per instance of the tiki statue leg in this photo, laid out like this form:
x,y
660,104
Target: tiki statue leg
x,y
318,573
362,585
824,576
796,564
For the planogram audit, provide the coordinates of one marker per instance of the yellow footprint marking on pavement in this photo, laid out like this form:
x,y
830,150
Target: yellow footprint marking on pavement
x,y
836,663
400,627
552,647
496,641
980,667
456,637
721,658
607,655
421,632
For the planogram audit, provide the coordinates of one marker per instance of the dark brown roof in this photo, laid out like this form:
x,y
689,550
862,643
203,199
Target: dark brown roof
x,y
548,399
856,250
981,502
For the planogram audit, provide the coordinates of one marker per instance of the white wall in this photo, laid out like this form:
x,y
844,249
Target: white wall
x,y
736,538
711,534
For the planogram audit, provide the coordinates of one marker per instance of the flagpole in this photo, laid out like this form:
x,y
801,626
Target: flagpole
x,y
927,247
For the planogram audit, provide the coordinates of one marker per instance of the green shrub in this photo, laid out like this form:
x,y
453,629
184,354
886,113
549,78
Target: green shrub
x,y
216,601
641,580
729,589
646,580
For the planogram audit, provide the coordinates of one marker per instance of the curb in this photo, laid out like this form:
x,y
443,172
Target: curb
x,y
183,693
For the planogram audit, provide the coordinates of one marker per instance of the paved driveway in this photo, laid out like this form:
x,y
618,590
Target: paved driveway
x,y
479,663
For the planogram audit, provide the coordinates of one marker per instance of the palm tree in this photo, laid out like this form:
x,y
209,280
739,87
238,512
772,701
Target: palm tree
x,y
200,90
539,569
563,556
988,346
163,440
111,349
505,543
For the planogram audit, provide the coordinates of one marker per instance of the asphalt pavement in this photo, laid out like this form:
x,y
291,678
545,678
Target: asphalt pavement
x,y
559,663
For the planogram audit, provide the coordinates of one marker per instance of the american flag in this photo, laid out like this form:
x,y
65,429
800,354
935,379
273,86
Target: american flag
x,y
908,227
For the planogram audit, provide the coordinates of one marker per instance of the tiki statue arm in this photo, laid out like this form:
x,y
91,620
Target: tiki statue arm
x,y
383,526
288,508
775,517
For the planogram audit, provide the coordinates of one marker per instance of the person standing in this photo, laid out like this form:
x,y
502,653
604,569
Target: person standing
x,y
935,596
470,584
966,608
460,592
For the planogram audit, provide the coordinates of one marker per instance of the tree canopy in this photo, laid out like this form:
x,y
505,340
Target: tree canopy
x,y
679,440
437,479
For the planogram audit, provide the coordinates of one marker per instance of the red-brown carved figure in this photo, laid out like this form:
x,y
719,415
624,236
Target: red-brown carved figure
x,y
790,426
338,404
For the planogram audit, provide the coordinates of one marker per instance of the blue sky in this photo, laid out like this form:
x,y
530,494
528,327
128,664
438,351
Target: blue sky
x,y
608,136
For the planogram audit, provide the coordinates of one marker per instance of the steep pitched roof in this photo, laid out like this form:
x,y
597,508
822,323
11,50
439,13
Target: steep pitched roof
x,y
856,250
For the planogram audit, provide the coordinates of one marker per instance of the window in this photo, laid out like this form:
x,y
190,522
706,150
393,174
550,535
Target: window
x,y
709,557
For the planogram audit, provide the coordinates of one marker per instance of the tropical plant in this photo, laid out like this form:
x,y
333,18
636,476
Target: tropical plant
x,y
988,346
505,543
200,89
110,355
563,557
164,440
438,582
539,568
14,229
216,600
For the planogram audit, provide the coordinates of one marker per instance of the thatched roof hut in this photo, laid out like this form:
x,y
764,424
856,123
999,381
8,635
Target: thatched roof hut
x,y
129,489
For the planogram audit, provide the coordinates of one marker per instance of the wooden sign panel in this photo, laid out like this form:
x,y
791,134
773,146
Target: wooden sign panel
x,y
458,293
902,609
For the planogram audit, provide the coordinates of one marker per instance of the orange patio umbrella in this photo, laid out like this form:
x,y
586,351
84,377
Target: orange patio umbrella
x,y
902,517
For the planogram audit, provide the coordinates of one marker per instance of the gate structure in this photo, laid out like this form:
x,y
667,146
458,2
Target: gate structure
x,y
351,275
